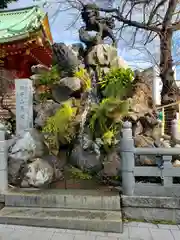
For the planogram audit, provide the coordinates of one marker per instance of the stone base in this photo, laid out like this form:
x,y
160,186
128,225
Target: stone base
x,y
149,209
70,209
87,220
105,55
79,199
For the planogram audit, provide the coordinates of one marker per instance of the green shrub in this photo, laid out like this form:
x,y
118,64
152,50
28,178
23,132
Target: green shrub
x,y
109,137
44,96
79,174
50,77
106,119
116,82
83,75
60,126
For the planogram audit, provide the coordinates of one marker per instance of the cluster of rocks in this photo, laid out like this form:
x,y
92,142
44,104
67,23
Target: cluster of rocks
x,y
31,162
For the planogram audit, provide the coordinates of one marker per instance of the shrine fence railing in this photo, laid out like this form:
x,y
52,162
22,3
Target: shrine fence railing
x,y
164,170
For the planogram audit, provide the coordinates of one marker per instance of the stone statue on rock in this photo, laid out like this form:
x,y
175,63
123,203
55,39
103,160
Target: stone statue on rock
x,y
94,22
98,56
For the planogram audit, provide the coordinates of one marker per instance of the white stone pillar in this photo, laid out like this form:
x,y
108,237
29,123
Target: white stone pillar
x,y
156,87
24,104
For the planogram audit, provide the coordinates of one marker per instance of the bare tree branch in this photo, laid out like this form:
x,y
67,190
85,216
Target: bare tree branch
x,y
175,26
131,23
169,13
154,11
145,20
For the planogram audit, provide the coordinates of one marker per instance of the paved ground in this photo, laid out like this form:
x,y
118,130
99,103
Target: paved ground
x,y
132,231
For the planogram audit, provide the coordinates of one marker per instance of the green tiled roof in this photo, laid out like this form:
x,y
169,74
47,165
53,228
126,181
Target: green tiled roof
x,y
18,23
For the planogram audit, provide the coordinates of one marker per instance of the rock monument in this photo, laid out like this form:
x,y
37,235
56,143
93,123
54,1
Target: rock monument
x,y
24,104
79,107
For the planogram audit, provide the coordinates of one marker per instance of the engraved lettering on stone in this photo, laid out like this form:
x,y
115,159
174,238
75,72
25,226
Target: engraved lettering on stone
x,y
24,104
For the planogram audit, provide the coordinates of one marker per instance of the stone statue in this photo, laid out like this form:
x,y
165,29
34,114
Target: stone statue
x,y
94,22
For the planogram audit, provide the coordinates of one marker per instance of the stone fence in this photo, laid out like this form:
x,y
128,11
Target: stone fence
x,y
165,170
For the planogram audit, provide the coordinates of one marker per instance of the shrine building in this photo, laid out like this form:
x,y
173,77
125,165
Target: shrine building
x,y
25,40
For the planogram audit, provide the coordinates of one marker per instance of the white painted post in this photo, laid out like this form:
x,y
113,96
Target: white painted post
x,y
24,104
156,86
3,161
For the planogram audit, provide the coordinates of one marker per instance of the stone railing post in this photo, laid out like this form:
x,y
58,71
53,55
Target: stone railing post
x,y
127,159
3,161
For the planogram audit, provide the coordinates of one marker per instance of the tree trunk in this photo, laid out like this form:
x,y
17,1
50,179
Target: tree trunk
x,y
170,89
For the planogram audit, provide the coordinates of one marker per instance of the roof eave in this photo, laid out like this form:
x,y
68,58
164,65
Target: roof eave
x,y
19,9
14,38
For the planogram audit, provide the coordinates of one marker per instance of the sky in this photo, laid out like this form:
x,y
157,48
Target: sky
x,y
62,32
58,28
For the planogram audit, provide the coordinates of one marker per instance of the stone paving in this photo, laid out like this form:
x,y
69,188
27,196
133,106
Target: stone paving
x,y
132,231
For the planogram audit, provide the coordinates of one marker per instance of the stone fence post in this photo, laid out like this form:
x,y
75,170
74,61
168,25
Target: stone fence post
x,y
127,159
3,161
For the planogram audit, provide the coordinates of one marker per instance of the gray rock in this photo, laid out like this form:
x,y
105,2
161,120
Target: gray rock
x,y
60,93
27,145
73,83
85,159
112,164
105,55
66,58
57,163
10,142
44,111
78,49
39,173
63,90
14,171
137,128
142,141
62,158
86,141
24,184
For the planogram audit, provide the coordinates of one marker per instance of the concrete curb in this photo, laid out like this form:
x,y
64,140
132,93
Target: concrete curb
x,y
87,220
64,199
147,208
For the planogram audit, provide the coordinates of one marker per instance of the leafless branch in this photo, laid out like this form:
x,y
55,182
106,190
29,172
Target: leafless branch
x,y
169,13
73,23
175,26
154,11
